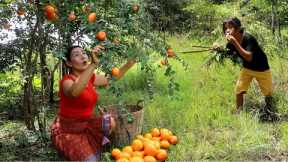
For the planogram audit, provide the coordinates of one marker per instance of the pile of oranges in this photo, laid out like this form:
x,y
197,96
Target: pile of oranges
x,y
151,147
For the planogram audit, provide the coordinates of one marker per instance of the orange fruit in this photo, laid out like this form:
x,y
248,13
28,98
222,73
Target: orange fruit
x,y
135,8
157,144
138,153
136,159
116,154
49,9
125,155
155,132
71,16
170,52
162,155
140,137
169,132
165,144
123,160
173,140
150,149
92,17
164,134
50,12
115,72
20,11
101,36
164,62
148,135
128,149
156,138
149,159
137,145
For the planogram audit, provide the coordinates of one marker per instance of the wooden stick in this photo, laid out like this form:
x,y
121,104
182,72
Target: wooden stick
x,y
198,46
195,51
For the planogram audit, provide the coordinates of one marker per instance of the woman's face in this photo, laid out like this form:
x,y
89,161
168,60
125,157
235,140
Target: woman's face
x,y
78,59
230,29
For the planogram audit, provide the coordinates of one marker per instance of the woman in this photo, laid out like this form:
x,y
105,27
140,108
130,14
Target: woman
x,y
255,65
76,132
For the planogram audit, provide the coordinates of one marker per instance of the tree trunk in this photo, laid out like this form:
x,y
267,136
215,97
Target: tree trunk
x,y
28,104
273,16
279,27
51,87
51,91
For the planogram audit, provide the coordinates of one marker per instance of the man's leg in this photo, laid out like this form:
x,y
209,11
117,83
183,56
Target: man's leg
x,y
269,111
239,101
242,86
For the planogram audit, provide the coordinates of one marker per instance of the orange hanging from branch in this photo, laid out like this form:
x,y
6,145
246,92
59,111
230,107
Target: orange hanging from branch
x,y
92,17
101,36
50,12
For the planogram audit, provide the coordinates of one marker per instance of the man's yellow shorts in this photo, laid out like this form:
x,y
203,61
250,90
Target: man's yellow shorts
x,y
264,80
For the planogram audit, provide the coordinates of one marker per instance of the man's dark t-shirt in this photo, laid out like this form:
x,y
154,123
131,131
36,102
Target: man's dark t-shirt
x,y
259,60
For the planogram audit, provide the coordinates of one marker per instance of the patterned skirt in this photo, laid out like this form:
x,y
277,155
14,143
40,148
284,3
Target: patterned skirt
x,y
80,139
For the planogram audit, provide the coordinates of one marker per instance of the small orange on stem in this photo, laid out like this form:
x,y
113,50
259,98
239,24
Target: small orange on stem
x,y
92,17
163,62
50,12
101,36
71,16
170,52
115,72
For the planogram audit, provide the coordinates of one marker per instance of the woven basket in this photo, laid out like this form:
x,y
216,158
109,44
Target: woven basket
x,y
126,131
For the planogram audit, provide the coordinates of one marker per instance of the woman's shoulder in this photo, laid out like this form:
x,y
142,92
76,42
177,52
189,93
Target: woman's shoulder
x,y
68,77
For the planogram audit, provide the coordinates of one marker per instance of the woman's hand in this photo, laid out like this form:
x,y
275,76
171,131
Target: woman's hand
x,y
95,52
230,39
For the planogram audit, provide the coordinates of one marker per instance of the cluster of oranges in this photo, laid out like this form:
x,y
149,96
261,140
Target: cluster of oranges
x,y
170,53
50,13
151,147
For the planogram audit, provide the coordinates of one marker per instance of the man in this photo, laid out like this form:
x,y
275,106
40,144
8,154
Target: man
x,y
255,65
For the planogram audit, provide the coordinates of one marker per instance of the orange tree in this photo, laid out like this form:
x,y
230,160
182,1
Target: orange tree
x,y
49,27
123,28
